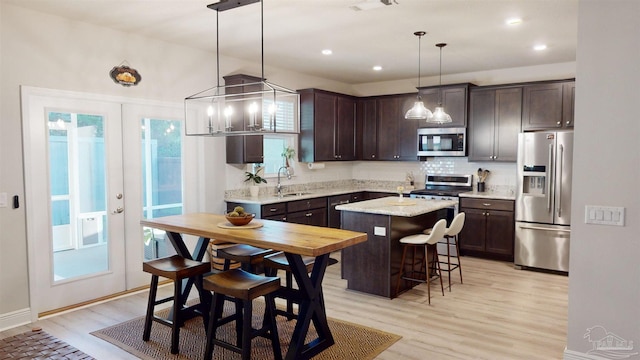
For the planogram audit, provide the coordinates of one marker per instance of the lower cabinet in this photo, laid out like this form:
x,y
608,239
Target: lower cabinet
x,y
318,211
489,228
308,212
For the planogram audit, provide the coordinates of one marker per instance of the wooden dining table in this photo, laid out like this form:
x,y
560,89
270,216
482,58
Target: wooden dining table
x,y
294,240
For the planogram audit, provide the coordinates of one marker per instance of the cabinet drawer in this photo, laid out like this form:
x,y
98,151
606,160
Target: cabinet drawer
x,y
273,209
492,204
301,205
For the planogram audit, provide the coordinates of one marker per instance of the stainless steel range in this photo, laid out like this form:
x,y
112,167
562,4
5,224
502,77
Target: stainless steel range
x,y
444,187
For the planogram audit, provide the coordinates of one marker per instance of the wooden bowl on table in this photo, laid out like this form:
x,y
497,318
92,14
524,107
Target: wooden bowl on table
x,y
240,220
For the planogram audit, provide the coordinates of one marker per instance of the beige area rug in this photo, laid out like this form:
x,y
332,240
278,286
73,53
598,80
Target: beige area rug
x,y
352,341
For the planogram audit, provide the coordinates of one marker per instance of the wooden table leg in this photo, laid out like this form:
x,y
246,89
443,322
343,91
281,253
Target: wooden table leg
x,y
311,308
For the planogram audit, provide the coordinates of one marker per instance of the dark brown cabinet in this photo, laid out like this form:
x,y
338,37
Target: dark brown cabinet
x,y
247,148
494,123
454,100
367,129
308,212
568,103
397,136
489,228
548,105
327,126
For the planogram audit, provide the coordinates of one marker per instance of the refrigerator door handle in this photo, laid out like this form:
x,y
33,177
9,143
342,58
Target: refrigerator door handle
x,y
549,178
544,228
560,170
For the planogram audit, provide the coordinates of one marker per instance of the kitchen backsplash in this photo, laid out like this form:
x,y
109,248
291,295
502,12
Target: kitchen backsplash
x,y
384,175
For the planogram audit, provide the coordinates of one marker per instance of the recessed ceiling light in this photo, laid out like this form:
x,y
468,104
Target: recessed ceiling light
x,y
327,52
539,47
514,21
377,68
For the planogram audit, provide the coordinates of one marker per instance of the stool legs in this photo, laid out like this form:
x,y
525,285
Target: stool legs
x,y
243,324
175,320
148,320
425,264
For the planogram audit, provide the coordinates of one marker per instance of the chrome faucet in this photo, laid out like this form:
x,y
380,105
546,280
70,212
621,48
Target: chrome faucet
x,y
279,186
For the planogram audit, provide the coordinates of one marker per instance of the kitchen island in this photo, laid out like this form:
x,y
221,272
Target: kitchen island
x,y
372,267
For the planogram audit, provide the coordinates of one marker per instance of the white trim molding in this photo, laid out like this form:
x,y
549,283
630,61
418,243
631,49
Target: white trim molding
x,y
15,319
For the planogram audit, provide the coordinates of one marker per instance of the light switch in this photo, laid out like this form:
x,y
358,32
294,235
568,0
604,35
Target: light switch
x,y
604,215
3,199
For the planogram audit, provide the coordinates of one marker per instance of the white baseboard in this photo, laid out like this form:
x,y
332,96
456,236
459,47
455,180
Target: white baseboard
x,y
574,355
15,318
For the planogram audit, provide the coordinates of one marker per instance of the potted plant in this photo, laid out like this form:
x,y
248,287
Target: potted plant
x,y
255,179
288,153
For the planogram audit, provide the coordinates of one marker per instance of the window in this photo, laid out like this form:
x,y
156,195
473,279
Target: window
x,y
272,152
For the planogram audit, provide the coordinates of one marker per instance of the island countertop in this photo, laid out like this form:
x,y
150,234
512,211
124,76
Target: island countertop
x,y
395,206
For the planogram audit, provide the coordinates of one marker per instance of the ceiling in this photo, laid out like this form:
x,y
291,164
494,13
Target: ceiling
x,y
295,32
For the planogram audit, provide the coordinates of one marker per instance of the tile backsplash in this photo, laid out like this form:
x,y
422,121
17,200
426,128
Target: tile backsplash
x,y
386,174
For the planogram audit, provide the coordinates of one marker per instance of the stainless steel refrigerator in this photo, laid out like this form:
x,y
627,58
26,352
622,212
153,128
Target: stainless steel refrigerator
x,y
543,200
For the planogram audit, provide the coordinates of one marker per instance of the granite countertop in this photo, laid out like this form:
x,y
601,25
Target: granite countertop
x,y
491,194
272,199
393,206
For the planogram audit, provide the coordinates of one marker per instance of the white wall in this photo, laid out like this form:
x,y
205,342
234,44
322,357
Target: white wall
x,y
604,286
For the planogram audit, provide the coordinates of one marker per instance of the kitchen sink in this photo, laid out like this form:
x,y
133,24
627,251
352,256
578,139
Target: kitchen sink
x,y
296,194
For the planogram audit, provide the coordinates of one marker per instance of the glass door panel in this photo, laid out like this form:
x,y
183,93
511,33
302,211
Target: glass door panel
x,y
78,194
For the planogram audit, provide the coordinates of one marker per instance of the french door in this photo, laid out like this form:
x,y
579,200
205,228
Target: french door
x,y
94,166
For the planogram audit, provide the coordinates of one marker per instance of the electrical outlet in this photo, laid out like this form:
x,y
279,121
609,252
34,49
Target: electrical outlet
x,y
604,215
379,231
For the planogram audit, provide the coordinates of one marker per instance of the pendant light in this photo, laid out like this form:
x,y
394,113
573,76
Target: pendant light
x,y
242,109
418,111
439,116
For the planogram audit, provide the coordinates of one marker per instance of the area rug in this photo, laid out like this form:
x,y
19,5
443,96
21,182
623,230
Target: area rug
x,y
352,341
38,345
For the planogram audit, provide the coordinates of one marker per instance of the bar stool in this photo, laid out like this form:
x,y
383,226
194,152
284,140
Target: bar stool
x,y
426,242
278,261
243,286
177,269
451,239
250,257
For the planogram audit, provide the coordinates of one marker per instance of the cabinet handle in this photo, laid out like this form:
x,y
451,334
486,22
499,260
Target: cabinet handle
x,y
486,204
273,210
308,214
558,123
568,122
373,156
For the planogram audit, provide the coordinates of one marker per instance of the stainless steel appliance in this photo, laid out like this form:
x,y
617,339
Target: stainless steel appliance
x,y
442,141
444,187
543,200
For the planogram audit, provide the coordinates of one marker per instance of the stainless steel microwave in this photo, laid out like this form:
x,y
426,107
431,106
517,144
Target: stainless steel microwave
x,y
442,141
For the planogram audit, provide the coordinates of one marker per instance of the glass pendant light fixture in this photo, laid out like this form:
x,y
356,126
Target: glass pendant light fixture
x,y
418,111
439,116
242,109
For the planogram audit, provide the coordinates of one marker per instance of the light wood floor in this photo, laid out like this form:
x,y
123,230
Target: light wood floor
x,y
498,313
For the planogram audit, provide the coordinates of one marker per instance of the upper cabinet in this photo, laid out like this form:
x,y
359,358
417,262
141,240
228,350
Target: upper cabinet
x,y
548,105
327,126
454,100
247,148
367,129
396,136
494,123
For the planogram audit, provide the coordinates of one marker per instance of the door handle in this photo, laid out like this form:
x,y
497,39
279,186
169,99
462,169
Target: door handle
x,y
544,228
118,210
559,183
